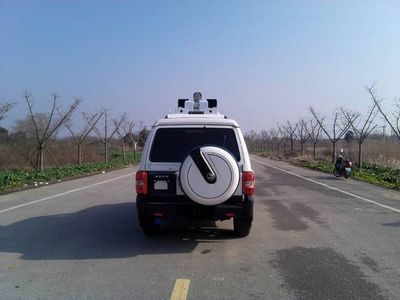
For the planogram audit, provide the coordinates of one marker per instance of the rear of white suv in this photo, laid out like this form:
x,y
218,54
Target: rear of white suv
x,y
195,165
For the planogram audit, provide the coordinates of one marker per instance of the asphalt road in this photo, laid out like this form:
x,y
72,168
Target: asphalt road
x,y
314,237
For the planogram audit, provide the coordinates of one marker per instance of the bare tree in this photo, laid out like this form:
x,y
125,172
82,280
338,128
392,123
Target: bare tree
x,y
80,137
44,133
128,128
123,131
106,138
362,129
135,138
282,134
251,138
291,134
23,138
339,128
314,131
264,140
302,134
394,125
4,109
254,140
273,134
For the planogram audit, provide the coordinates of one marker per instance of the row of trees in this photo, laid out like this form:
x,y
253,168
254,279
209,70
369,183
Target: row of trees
x,y
344,124
43,128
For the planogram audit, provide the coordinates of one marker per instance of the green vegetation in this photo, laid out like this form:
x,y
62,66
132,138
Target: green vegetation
x,y
319,166
372,173
15,179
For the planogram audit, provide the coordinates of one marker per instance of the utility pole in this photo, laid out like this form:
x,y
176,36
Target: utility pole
x,y
105,136
384,132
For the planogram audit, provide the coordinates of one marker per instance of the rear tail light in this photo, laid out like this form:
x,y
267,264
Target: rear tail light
x,y
141,182
248,183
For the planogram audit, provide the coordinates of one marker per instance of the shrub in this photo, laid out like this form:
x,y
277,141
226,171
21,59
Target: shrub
x,y
372,173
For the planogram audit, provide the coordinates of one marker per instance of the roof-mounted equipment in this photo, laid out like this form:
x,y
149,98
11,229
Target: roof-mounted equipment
x,y
197,105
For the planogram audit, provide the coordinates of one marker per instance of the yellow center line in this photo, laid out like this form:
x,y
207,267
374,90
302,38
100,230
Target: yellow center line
x,y
180,290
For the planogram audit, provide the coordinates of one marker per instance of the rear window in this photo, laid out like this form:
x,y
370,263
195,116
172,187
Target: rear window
x,y
174,144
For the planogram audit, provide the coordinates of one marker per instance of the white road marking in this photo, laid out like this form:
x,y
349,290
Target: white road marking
x,y
65,193
329,187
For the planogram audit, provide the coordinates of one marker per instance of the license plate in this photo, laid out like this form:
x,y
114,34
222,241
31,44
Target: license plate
x,y
161,185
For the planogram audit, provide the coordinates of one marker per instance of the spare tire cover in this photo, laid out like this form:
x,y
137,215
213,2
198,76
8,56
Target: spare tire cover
x,y
209,175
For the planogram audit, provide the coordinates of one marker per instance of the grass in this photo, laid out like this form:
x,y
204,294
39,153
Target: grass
x,y
372,173
379,169
11,180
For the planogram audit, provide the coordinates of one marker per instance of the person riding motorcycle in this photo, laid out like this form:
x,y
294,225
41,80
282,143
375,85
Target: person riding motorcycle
x,y
339,160
342,166
339,163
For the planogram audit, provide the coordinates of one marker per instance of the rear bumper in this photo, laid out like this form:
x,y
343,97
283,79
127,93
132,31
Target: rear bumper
x,y
183,207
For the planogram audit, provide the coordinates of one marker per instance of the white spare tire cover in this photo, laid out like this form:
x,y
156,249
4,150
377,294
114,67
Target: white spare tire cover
x,y
209,175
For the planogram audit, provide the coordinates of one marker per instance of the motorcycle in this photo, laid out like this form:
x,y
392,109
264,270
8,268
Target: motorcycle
x,y
343,168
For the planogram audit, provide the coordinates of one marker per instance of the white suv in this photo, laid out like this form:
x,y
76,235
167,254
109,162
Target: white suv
x,y
195,164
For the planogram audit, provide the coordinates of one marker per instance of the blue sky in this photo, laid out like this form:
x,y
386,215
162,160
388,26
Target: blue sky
x,y
266,61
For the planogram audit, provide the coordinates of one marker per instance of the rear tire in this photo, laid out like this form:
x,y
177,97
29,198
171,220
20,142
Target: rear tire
x,y
150,228
241,226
